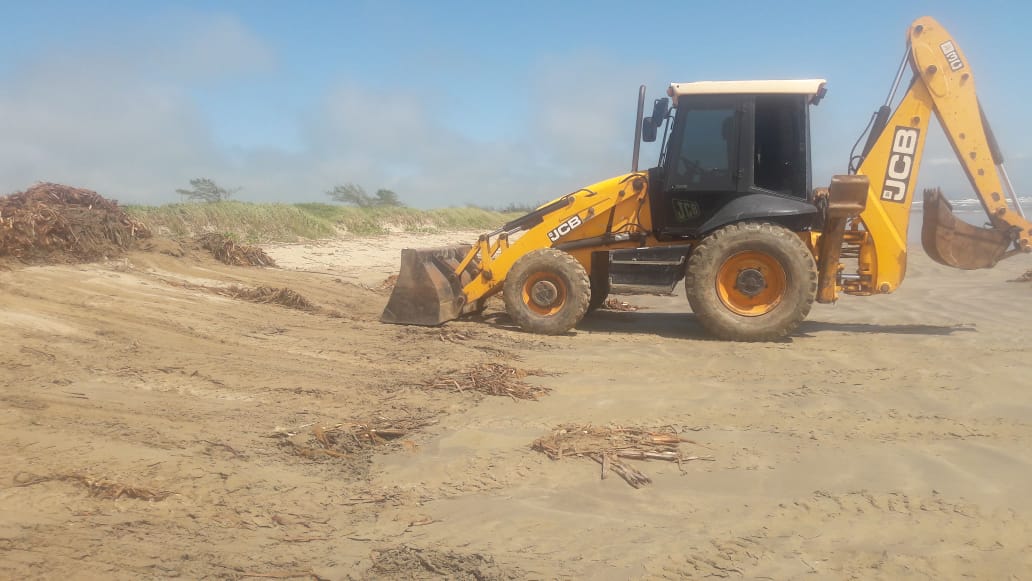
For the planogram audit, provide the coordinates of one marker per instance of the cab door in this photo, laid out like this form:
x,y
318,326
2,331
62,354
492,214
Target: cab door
x,y
702,164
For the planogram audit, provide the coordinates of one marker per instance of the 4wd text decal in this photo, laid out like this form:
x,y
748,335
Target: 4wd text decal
x,y
564,228
901,164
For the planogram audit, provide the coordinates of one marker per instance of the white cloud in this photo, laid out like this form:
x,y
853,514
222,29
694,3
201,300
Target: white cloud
x,y
117,111
122,118
96,126
585,120
576,133
210,48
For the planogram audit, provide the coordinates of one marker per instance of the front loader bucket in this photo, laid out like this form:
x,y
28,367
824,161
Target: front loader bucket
x,y
951,241
428,292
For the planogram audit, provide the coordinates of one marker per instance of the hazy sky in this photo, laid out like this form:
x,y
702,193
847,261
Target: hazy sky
x,y
446,103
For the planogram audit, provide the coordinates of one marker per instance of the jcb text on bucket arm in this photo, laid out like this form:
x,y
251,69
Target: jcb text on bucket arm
x,y
731,210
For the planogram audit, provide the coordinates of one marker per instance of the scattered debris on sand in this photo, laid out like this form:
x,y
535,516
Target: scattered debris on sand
x,y
97,488
243,573
265,295
352,438
1027,277
388,284
50,223
268,295
491,379
614,304
166,246
234,253
412,563
449,336
611,446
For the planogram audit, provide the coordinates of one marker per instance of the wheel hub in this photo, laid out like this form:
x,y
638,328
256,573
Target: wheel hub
x,y
750,282
544,293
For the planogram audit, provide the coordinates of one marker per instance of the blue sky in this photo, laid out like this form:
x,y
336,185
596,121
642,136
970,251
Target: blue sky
x,y
446,103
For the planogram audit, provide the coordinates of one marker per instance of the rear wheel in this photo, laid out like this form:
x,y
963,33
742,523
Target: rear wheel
x,y
547,292
751,282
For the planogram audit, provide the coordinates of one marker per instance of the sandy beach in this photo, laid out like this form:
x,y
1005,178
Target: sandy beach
x,y
152,428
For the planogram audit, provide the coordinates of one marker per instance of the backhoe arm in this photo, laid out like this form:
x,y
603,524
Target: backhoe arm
x,y
943,84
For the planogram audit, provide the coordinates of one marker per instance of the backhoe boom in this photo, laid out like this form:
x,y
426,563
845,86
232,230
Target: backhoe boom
x,y
943,85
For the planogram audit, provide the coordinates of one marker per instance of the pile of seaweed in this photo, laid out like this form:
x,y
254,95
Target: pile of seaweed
x,y
50,223
228,251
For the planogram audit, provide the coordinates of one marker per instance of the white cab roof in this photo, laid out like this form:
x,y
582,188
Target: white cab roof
x,y
793,87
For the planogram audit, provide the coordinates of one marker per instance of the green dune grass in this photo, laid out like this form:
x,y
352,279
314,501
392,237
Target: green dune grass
x,y
258,222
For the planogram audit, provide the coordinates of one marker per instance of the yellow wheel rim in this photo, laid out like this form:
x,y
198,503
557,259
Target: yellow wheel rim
x,y
751,283
544,293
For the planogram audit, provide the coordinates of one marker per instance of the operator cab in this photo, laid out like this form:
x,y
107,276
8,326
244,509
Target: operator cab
x,y
736,150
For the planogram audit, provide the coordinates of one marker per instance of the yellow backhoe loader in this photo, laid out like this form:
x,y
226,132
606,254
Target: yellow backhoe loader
x,y
730,208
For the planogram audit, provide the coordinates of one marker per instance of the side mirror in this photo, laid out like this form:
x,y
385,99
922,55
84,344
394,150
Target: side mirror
x,y
650,125
648,130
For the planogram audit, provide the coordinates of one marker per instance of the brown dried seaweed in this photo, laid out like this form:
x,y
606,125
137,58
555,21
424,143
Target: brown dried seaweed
x,y
611,446
231,252
491,379
56,223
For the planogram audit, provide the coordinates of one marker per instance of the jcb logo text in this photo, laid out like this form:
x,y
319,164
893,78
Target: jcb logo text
x,y
901,164
564,228
950,52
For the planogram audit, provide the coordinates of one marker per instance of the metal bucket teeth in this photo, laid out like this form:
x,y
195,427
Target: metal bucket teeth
x,y
428,292
953,242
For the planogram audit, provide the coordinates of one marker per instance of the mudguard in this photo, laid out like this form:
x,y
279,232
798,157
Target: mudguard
x,y
791,213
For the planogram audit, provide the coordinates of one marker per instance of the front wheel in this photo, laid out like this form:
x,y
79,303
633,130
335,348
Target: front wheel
x,y
547,292
751,282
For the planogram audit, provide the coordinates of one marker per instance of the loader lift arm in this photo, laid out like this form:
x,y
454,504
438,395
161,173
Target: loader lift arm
x,y
944,85
440,284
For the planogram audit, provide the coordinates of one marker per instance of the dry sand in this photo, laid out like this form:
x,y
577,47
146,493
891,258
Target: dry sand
x,y
890,438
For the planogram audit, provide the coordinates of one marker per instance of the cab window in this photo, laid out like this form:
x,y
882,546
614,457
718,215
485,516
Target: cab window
x,y
779,160
706,156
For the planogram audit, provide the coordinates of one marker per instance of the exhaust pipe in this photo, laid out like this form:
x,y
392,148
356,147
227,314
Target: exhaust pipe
x,y
637,128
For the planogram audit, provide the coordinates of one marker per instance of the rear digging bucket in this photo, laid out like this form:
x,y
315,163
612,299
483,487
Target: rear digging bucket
x,y
428,292
953,242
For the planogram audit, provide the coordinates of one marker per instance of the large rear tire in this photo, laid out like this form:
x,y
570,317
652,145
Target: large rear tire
x,y
547,292
751,282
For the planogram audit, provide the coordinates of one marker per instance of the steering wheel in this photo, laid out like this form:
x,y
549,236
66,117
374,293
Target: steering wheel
x,y
687,167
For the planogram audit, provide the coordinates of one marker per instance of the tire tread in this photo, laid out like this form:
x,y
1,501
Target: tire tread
x,y
578,293
712,249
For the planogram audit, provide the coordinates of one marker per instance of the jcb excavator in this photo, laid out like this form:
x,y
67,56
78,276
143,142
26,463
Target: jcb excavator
x,y
730,209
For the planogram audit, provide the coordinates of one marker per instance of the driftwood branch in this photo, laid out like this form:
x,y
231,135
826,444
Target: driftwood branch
x,y
611,446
